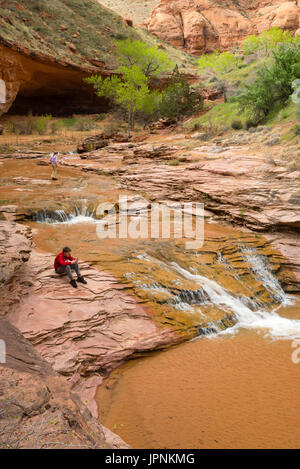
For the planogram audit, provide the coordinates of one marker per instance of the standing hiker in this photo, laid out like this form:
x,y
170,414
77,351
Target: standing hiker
x,y
54,163
64,263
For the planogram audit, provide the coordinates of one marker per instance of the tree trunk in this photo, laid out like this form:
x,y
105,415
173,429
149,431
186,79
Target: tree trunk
x,y
129,120
225,94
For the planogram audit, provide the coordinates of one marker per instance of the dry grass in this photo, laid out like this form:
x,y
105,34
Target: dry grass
x,y
136,10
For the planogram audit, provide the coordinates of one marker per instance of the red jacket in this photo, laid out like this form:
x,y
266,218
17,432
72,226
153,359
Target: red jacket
x,y
61,259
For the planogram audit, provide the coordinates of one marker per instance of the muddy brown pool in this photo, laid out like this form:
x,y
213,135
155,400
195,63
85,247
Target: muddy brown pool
x,y
239,391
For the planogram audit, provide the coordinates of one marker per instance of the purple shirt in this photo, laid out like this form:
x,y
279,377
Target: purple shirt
x,y
53,159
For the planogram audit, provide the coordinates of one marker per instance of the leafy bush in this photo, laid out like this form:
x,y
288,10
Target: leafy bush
x,y
56,126
100,117
296,129
219,64
85,124
42,124
237,124
26,127
250,123
179,99
267,41
69,122
273,85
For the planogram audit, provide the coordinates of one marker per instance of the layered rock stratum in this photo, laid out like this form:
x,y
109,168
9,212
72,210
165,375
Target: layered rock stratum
x,y
82,336
235,183
200,26
37,407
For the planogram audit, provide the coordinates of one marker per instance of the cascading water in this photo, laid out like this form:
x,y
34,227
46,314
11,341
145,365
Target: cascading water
x,y
182,285
261,272
246,312
271,322
78,214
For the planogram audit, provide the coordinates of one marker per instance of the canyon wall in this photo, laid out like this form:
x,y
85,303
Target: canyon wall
x,y
199,26
44,85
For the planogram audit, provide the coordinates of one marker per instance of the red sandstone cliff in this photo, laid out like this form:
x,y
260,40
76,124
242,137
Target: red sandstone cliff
x,y
199,26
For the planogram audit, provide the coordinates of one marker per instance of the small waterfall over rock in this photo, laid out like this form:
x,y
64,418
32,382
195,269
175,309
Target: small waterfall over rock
x,y
269,321
218,309
259,267
76,214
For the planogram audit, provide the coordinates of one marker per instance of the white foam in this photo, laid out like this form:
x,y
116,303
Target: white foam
x,y
268,322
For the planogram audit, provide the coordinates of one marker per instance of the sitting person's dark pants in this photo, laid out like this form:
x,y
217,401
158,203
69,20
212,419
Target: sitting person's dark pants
x,y
62,269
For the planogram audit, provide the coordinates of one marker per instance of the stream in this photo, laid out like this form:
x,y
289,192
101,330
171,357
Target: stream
x,y
233,382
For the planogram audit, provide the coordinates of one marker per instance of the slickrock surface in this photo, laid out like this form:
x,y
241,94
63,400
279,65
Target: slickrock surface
x,y
37,408
205,25
236,185
82,333
15,244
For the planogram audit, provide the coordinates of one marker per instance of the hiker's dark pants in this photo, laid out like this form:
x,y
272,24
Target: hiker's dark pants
x,y
62,269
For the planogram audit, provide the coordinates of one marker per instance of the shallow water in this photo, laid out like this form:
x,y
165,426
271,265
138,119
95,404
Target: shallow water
x,y
237,391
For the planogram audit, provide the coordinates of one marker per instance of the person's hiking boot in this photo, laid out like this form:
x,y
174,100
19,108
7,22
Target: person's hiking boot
x,y
73,283
81,280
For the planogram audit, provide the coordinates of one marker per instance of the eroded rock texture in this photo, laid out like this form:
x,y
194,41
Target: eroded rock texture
x,y
233,183
37,408
82,333
205,25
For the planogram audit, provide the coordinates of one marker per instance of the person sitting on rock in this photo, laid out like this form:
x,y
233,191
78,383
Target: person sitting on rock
x,y
64,263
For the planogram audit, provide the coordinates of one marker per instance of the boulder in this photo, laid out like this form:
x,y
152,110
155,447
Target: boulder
x,y
100,141
38,409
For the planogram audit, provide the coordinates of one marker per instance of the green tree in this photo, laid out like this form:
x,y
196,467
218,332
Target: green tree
x,y
219,64
264,44
151,60
274,84
130,90
178,98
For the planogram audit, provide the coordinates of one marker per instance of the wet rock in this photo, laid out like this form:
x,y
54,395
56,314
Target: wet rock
x,y
92,143
28,181
84,336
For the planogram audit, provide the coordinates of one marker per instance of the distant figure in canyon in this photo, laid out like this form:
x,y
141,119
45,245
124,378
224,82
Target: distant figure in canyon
x,y
54,163
64,263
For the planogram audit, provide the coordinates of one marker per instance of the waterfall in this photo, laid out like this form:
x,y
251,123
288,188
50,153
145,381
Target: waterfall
x,y
78,214
268,321
260,270
248,309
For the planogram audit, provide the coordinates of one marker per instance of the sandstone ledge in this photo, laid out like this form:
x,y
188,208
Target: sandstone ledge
x,y
37,408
